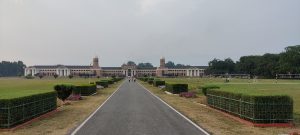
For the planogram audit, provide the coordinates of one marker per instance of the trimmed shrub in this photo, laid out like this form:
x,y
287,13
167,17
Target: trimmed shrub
x,y
110,81
176,88
117,79
209,87
86,89
102,83
64,91
150,82
19,110
157,83
254,108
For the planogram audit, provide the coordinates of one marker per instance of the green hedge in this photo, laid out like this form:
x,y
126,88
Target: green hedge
x,y
64,91
209,87
19,110
257,109
103,83
110,81
158,83
176,88
85,90
117,79
150,82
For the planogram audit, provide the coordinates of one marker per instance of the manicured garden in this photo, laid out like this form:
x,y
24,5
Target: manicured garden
x,y
263,101
258,101
25,99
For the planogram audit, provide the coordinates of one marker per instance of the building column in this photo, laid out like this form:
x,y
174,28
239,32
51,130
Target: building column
x,y
25,72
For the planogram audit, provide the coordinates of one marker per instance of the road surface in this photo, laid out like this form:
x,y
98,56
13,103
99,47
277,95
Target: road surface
x,y
132,110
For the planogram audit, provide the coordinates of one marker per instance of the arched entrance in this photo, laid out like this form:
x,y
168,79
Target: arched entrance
x,y
129,72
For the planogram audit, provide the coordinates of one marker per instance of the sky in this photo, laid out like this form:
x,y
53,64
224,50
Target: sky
x,y
72,32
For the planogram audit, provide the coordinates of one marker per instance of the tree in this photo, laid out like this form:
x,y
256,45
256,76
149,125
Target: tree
x,y
41,76
55,76
11,68
145,65
131,63
289,61
170,64
217,66
63,91
70,76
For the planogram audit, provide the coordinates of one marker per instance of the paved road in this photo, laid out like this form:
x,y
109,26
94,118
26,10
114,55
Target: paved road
x,y
132,110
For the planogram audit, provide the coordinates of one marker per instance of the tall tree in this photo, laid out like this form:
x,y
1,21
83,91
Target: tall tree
x,y
217,66
289,61
131,63
170,64
145,65
11,68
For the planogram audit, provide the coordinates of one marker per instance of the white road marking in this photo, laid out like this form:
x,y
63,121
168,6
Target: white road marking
x,y
82,124
190,121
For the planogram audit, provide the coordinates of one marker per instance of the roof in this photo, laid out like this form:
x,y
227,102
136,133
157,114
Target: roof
x,y
111,68
61,66
189,67
147,68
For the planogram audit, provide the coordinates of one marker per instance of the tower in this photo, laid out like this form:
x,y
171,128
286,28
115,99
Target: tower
x,y
160,71
96,67
96,63
162,62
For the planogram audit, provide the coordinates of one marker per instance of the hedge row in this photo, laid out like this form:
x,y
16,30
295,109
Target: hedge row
x,y
105,83
257,109
64,90
157,83
176,88
19,110
209,87
85,89
146,79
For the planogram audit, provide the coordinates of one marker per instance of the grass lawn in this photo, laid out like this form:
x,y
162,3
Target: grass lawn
x,y
216,122
17,87
67,117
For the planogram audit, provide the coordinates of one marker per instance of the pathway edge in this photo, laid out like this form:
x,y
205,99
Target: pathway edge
x,y
87,119
186,118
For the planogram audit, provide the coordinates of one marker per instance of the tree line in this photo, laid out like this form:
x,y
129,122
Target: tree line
x,y
8,69
267,65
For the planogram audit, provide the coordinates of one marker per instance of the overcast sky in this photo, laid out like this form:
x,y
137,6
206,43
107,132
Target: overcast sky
x,y
191,32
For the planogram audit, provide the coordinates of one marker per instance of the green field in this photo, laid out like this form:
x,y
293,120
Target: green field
x,y
18,87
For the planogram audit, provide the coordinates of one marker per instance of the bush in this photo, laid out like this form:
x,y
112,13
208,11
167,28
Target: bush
x,y
116,79
176,88
110,81
157,83
29,77
102,83
64,91
150,82
19,110
209,87
255,108
85,90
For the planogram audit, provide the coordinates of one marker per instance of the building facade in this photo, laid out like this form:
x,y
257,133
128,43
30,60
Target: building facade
x,y
125,70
